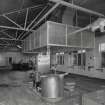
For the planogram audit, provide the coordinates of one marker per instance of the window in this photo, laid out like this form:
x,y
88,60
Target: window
x,y
80,58
60,58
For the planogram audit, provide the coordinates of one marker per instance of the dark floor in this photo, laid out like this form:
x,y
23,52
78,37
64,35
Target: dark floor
x,y
16,89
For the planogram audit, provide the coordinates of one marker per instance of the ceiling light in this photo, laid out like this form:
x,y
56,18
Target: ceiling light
x,y
19,46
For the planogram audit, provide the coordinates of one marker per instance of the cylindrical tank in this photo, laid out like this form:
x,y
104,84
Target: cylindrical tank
x,y
52,87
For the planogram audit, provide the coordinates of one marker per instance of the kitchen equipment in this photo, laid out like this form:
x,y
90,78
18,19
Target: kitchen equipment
x,y
52,87
43,63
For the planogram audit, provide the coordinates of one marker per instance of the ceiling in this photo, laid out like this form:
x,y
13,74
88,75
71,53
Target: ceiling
x,y
16,15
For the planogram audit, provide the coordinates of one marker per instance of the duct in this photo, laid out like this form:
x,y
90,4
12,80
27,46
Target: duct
x,y
80,30
98,24
78,7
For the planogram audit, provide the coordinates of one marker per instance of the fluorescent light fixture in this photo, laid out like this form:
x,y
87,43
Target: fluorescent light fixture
x,y
81,51
19,46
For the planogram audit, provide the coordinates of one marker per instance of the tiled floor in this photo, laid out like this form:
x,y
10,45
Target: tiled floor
x,y
15,89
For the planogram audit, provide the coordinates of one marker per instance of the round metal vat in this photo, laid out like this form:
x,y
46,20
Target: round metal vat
x,y
52,87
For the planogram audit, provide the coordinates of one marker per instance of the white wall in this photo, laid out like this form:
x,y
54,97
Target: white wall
x,y
95,53
4,57
14,53
16,56
2,60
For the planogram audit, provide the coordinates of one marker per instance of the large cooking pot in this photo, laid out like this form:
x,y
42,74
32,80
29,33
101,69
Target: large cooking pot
x,y
52,87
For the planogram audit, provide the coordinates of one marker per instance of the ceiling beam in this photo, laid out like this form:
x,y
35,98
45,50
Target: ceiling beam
x,y
10,39
16,33
22,32
3,30
25,24
51,10
78,7
20,35
7,34
7,44
5,41
32,22
13,28
46,14
12,21
36,18
38,6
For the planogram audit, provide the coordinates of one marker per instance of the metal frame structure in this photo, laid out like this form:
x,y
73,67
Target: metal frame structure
x,y
34,23
51,10
7,37
13,22
71,5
